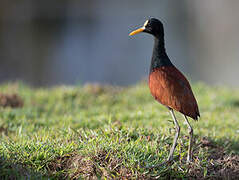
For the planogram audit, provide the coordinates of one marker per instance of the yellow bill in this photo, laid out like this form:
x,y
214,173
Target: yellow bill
x,y
137,31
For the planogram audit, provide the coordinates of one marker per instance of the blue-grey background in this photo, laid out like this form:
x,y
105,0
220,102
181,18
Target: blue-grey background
x,y
47,43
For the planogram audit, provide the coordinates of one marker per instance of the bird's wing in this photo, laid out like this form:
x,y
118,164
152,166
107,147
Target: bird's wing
x,y
169,86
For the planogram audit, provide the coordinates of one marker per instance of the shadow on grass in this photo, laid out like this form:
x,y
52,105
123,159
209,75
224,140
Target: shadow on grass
x,y
9,170
234,103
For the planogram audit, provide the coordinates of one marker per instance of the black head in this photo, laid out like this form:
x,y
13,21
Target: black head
x,y
152,26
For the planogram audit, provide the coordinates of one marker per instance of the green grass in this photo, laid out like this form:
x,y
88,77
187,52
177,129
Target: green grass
x,y
111,132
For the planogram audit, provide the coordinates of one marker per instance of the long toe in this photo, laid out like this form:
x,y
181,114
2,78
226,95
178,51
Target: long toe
x,y
165,163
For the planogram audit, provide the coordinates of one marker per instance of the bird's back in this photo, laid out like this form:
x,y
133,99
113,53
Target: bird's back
x,y
169,87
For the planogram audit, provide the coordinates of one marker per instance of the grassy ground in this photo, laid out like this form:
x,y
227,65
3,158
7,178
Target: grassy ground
x,y
110,132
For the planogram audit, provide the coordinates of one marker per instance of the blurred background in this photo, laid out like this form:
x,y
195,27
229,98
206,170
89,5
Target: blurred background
x,y
45,43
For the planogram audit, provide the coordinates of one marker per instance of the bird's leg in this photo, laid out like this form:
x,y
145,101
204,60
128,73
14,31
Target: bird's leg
x,y
190,131
170,157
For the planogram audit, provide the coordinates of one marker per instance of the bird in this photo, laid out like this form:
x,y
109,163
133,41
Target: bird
x,y
168,85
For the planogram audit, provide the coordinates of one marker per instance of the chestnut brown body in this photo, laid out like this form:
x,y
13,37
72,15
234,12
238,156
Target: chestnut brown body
x,y
169,87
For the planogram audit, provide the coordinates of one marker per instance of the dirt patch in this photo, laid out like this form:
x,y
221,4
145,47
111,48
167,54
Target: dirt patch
x,y
3,130
111,166
11,100
219,164
73,166
103,165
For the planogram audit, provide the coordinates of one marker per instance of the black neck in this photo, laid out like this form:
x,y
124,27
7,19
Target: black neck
x,y
160,57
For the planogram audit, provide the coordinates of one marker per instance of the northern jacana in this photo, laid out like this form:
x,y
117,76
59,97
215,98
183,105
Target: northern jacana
x,y
168,85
